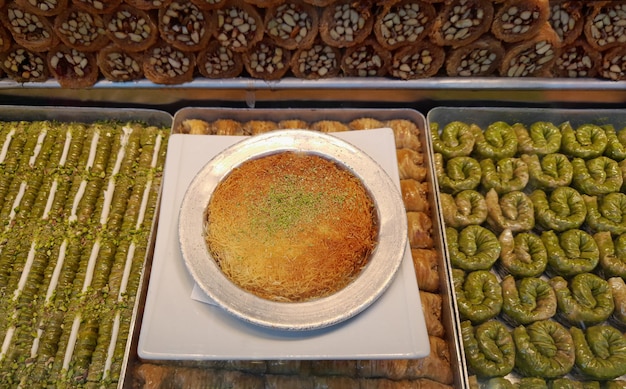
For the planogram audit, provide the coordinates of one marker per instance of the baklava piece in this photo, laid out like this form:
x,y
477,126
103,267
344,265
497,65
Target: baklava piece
x,y
605,25
217,61
33,32
567,19
292,25
43,7
131,28
419,61
22,65
478,59
185,26
532,58
346,23
164,64
319,61
577,60
238,25
119,65
404,22
97,6
368,59
461,22
81,30
72,68
520,20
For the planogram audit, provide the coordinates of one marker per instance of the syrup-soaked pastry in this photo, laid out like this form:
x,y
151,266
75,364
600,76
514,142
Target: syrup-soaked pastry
x,y
405,134
403,22
519,20
618,290
455,139
164,64
346,23
185,26
209,4
426,263
562,209
597,176
533,57
254,127
292,25
266,60
504,175
320,3
238,25
522,255
497,141
472,248
465,208
549,171
148,4
5,40
461,22
32,31
292,124
131,28
321,60
73,68
585,141
571,252
81,30
616,143
226,127
567,19
489,348
614,64
457,174
420,229
411,164
584,300
415,195
365,123
527,300
480,58
119,65
368,59
539,138
265,3
612,254
600,351
194,127
478,294
607,212
432,306
511,211
22,65
96,6
329,126
604,25
217,61
421,60
43,7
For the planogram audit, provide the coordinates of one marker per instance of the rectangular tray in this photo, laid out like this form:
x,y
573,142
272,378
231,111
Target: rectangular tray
x,y
91,115
449,318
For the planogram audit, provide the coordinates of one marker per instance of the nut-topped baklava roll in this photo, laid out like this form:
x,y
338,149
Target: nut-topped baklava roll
x,y
417,61
266,60
165,64
477,59
461,22
577,60
43,7
96,6
72,68
131,28
519,20
185,26
238,25
403,22
369,59
614,64
209,4
292,25
532,58
119,65
319,61
605,25
217,61
346,23
33,32
5,40
567,19
22,65
81,30
148,4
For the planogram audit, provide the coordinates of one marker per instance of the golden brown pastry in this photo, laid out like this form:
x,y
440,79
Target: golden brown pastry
x,y
365,123
404,22
577,60
329,126
421,60
43,7
519,20
32,31
226,127
148,4
22,65
420,228
346,23
194,127
185,26
319,61
604,25
254,127
96,6
238,25
320,3
532,58
614,64
426,263
411,165
478,59
415,195
265,3
164,64
131,28
432,305
292,25
567,19
209,4
266,60
405,133
217,61
293,124
119,65
5,40
72,68
368,59
461,22
81,30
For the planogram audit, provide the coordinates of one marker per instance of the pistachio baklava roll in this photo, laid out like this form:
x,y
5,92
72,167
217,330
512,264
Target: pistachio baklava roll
x,y
185,26
533,57
209,4
574,297
614,64
119,65
567,19
368,59
292,25
605,25
461,22
577,60
73,68
43,7
29,30
319,61
238,25
81,30
23,65
346,23
266,60
164,64
217,61
519,20
403,22
96,6
131,28
421,60
148,4
477,59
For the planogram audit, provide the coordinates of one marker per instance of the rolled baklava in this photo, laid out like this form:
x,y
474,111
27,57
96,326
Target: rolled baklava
x,y
577,60
5,40
292,25
238,25
319,61
567,19
96,6
22,65
131,28
165,64
217,61
614,64
532,58
81,30
185,26
148,4
605,25
320,3
421,60
43,7
72,68
119,65
33,32
369,59
209,4
520,20
266,60
346,23
461,22
478,59
265,3
404,22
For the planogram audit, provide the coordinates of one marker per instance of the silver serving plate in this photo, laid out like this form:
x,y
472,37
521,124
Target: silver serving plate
x,y
297,316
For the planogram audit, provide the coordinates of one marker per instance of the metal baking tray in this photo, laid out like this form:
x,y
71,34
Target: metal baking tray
x,y
91,115
449,317
484,116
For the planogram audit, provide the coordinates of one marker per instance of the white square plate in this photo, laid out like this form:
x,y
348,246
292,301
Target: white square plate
x,y
177,327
